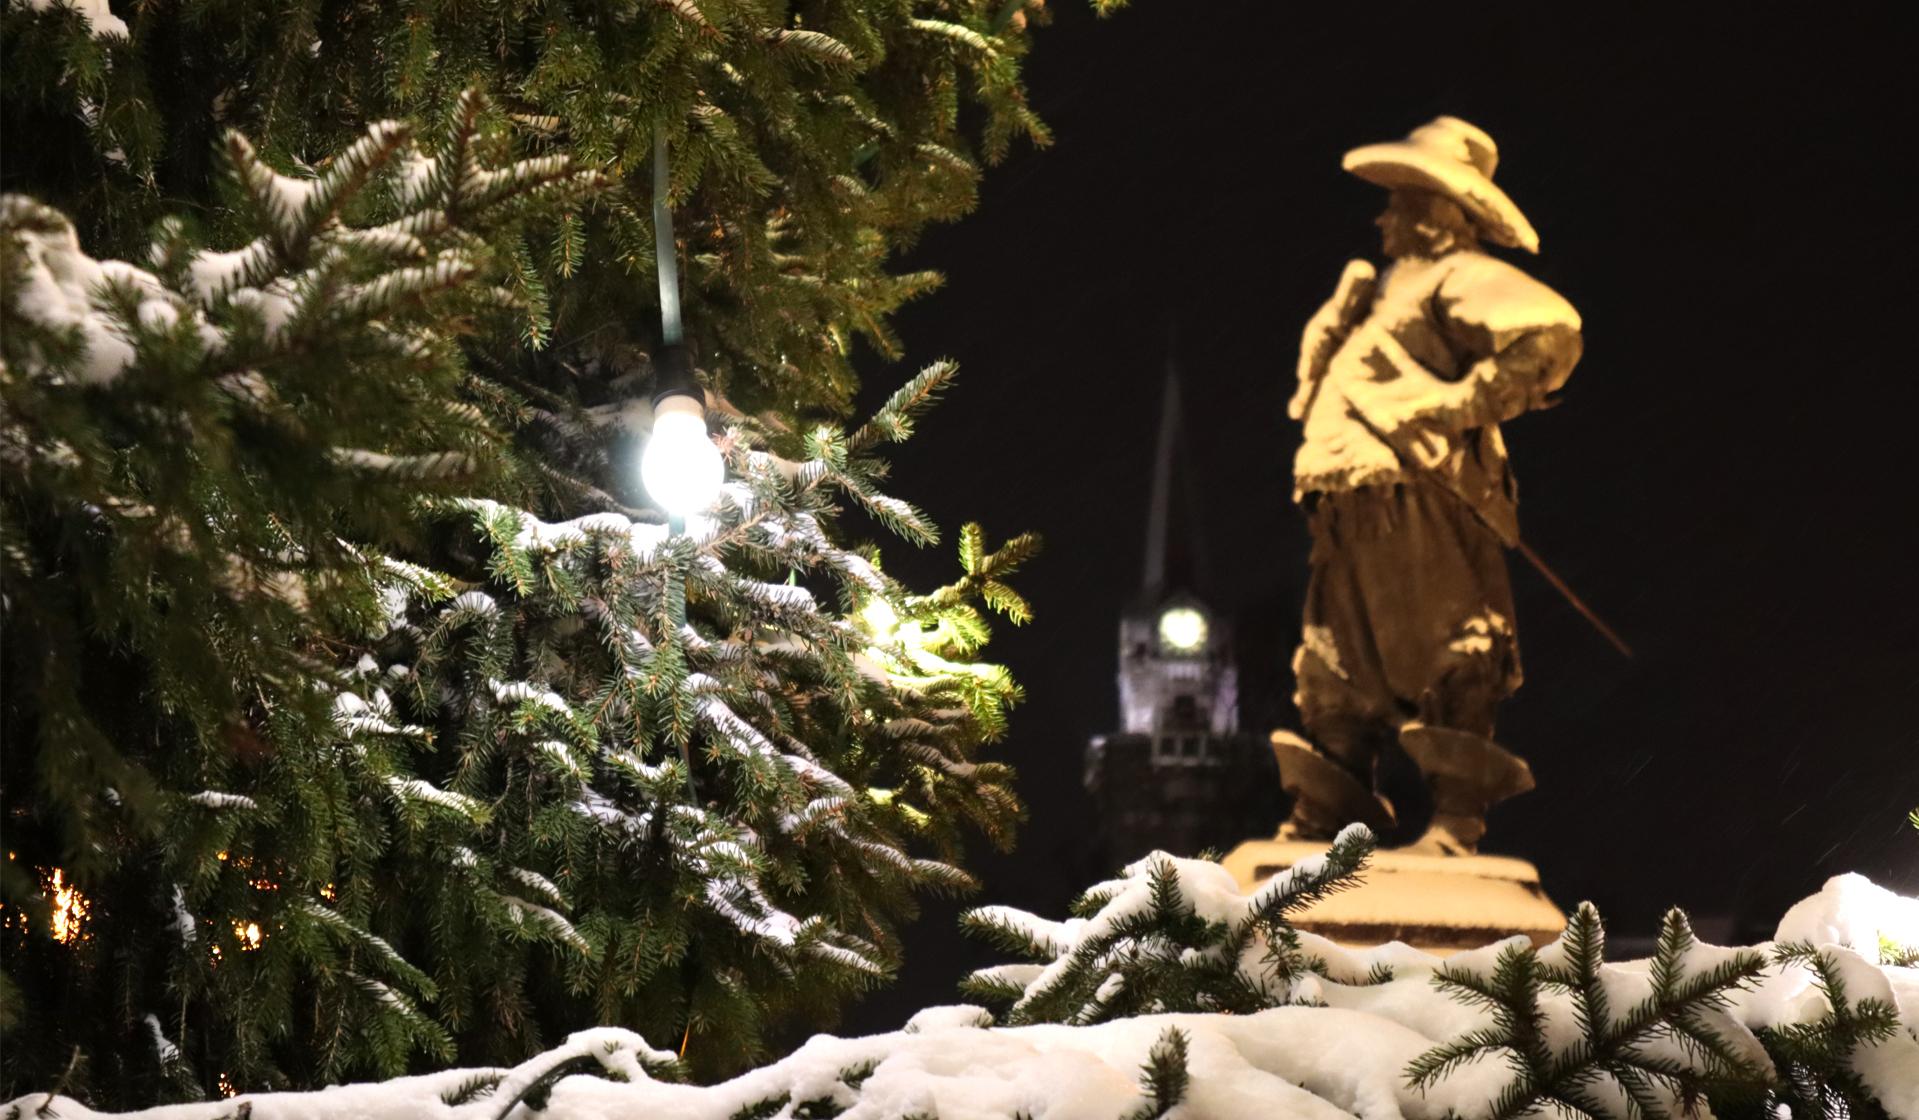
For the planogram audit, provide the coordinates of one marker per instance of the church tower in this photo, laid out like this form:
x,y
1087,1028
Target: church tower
x,y
1178,775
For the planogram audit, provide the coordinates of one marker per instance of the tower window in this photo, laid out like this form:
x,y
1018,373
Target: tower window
x,y
1182,630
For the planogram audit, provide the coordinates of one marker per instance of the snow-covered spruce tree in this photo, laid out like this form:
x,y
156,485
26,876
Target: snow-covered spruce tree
x,y
187,449
809,143
811,139
255,881
204,461
708,828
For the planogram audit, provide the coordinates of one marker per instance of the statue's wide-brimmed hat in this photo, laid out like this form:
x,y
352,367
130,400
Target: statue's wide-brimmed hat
x,y
1453,158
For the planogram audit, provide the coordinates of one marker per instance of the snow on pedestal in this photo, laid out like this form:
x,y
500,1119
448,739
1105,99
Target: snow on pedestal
x,y
1441,904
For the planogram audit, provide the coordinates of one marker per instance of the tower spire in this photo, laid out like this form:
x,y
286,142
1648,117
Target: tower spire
x,y
1177,774
1174,552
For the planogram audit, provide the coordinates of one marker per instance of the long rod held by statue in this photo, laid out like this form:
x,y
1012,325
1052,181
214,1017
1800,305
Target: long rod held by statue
x,y
1578,604
1421,470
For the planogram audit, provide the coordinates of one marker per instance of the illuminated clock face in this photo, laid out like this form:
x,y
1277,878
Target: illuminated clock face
x,y
1183,629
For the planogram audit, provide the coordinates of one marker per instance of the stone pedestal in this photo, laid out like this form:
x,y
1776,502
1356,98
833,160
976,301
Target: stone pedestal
x,y
1437,903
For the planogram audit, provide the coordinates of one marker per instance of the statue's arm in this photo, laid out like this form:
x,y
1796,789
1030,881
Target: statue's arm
x,y
1520,376
1519,340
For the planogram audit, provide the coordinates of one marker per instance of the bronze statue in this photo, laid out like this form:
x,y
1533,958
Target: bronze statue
x,y
1404,379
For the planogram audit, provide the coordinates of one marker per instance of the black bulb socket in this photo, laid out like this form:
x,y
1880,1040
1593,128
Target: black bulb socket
x,y
673,374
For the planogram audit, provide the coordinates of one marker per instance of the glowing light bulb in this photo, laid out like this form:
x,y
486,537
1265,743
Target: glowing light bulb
x,y
880,618
681,468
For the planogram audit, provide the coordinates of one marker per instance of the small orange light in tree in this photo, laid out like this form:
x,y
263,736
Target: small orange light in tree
x,y
69,908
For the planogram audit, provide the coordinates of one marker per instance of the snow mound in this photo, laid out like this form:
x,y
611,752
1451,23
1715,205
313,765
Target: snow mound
x,y
1853,911
1286,1063
1341,1054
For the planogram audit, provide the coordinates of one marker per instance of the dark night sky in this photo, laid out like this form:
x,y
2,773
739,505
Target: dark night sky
x,y
1728,479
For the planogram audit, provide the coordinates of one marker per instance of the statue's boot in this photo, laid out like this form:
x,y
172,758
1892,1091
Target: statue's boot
x,y
1326,797
1468,774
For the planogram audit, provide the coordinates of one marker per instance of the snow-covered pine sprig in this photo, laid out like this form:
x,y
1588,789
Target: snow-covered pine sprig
x,y
1648,1045
1164,1077
1816,1061
1169,935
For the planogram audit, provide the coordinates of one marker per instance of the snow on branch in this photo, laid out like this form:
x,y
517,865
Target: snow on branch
x,y
425,792
215,799
103,305
547,919
100,20
530,695
305,268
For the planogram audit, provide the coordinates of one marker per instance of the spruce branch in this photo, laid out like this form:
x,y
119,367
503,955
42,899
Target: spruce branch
x,y
1142,946
1164,1077
1315,878
893,421
1817,1076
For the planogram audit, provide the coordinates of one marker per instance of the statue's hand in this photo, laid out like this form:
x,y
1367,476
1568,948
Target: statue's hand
x,y
1404,429
1411,408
